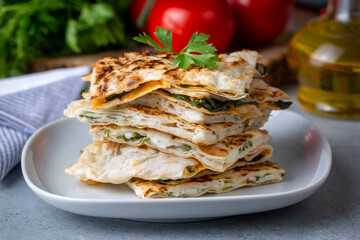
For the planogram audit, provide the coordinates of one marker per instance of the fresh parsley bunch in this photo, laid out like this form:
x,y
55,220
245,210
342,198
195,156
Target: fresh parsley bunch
x,y
36,28
197,50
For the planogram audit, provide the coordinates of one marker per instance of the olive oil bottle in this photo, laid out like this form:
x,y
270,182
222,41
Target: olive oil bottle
x,y
325,54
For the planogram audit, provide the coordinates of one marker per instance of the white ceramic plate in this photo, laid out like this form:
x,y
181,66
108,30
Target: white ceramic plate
x,y
298,148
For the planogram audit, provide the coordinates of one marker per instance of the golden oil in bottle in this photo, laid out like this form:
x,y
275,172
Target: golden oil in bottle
x,y
325,54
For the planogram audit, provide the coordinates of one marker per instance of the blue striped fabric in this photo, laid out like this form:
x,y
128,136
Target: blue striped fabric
x,y
22,113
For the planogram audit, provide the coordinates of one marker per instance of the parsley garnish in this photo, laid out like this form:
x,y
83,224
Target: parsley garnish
x,y
185,57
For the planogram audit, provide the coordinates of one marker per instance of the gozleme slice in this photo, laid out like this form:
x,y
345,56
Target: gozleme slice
x,y
136,74
109,162
217,157
248,176
192,113
144,117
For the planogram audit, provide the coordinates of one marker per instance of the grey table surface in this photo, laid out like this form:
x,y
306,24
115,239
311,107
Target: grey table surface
x,y
333,212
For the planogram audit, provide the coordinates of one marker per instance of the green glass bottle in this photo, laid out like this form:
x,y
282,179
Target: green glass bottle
x,y
325,54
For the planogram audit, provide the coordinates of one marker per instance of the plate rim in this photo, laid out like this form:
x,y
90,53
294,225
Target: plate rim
x,y
304,189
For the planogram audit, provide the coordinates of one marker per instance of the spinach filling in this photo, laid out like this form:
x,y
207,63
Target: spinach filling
x,y
239,103
88,117
227,188
187,86
136,136
114,96
257,158
282,105
191,169
246,145
107,133
210,104
85,90
186,147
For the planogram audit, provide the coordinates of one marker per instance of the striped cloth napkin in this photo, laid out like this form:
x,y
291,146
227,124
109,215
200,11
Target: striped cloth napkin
x,y
29,102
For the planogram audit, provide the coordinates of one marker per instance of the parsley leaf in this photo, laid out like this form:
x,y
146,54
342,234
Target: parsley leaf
x,y
149,41
197,50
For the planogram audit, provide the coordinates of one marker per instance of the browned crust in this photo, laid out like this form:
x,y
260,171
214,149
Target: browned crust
x,y
235,172
157,188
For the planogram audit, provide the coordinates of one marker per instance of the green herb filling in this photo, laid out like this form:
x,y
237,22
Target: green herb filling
x,y
210,104
115,96
136,136
85,90
187,86
257,158
107,133
191,169
185,147
88,117
246,145
282,105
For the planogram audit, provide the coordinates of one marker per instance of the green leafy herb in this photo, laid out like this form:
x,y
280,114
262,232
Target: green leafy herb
x,y
210,104
283,105
257,158
115,96
187,86
227,188
88,117
107,132
246,124
197,44
135,136
282,174
191,169
247,90
34,28
246,145
239,103
85,90
238,117
257,178
185,147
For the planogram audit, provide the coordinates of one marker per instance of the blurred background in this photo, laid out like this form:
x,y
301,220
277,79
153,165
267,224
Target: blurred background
x,y
38,35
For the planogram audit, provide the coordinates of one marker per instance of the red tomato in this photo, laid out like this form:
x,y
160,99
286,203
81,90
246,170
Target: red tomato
x,y
260,21
184,17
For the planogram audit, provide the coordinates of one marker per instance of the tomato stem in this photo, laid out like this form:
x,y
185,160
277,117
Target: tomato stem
x,y
144,14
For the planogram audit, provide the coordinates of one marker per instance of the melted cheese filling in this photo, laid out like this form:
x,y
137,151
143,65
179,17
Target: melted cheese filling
x,y
131,95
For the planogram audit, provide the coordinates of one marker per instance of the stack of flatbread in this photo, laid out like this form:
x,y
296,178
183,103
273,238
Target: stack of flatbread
x,y
172,132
